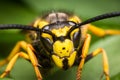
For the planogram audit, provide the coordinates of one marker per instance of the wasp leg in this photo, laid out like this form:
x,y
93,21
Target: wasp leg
x,y
16,49
15,54
83,56
101,32
34,61
12,62
105,61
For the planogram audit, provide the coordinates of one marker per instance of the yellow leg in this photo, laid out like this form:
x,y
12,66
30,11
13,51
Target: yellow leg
x,y
12,62
34,61
101,32
16,49
105,61
83,56
15,54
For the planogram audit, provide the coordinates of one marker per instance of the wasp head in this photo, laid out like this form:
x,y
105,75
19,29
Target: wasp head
x,y
58,41
61,45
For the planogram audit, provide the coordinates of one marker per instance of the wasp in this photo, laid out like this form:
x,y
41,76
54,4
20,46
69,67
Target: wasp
x,y
58,38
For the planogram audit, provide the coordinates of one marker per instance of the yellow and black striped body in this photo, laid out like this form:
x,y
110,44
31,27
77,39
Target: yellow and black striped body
x,y
58,46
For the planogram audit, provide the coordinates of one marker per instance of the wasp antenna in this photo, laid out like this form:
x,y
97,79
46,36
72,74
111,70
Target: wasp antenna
x,y
97,18
18,26
100,17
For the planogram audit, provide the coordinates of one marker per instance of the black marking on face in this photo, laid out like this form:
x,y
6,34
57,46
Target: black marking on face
x,y
65,64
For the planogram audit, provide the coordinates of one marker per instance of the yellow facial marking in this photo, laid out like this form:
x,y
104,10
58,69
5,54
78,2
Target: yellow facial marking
x,y
40,23
64,48
71,59
61,31
45,35
57,60
75,19
71,35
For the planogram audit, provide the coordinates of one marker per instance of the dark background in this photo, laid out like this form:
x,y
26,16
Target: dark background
x,y
25,11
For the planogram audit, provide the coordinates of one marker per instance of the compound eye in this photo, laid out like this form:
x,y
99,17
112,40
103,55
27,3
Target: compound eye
x,y
75,37
47,41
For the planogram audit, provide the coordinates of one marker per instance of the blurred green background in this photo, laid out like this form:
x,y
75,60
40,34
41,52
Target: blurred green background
x,y
25,11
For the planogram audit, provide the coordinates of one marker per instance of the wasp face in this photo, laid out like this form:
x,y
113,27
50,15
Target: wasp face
x,y
61,45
